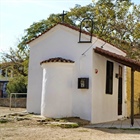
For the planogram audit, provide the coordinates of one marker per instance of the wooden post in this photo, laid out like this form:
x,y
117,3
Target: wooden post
x,y
132,96
15,100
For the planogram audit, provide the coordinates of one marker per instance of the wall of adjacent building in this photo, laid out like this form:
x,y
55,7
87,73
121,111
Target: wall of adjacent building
x,y
136,92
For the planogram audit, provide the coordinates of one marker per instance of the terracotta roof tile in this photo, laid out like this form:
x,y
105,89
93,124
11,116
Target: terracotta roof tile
x,y
57,59
119,58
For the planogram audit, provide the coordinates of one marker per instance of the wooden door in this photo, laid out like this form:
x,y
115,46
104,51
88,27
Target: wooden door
x,y
120,91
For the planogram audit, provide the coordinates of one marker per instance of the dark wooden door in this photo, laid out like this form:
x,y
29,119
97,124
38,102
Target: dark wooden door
x,y
120,91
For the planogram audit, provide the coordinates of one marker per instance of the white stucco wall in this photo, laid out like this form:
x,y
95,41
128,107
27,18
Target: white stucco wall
x,y
57,90
107,104
34,82
106,46
91,104
61,42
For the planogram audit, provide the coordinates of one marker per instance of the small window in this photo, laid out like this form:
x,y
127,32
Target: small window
x,y
109,77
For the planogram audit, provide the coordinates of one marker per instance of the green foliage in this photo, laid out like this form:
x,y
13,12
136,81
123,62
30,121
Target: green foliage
x,y
2,120
14,63
17,85
68,125
115,21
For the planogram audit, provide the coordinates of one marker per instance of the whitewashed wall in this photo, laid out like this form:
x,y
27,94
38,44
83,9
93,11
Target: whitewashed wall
x,y
91,104
105,106
57,90
60,42
34,81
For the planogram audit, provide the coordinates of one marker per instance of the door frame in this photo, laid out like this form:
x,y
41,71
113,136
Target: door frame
x,y
120,91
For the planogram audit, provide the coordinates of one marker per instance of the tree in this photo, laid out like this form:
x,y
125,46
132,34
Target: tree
x,y
15,67
17,85
115,21
16,61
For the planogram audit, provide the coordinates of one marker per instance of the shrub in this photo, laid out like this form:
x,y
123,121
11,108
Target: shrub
x,y
17,85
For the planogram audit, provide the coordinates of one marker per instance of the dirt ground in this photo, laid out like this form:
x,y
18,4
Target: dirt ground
x,y
31,129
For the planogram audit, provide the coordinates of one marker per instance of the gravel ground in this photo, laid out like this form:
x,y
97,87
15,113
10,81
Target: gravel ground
x,y
30,130
6,110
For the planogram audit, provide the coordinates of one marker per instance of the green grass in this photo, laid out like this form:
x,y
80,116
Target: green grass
x,y
73,125
3,120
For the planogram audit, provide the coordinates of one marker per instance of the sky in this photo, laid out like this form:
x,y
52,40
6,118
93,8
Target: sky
x,y
18,15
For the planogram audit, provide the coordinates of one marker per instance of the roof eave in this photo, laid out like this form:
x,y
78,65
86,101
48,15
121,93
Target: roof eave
x,y
119,58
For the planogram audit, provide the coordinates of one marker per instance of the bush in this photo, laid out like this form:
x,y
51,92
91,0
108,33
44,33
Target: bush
x,y
17,85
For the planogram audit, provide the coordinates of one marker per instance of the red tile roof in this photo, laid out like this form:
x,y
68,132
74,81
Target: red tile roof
x,y
119,58
57,59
